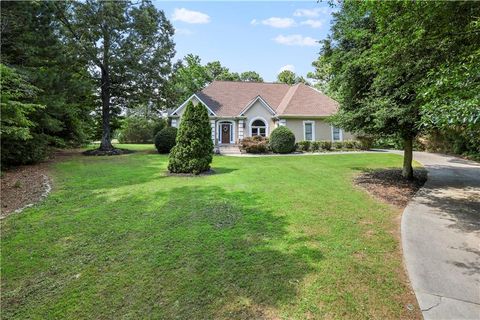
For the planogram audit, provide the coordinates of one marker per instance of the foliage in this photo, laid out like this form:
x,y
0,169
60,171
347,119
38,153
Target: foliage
x,y
139,129
381,59
286,76
130,46
193,150
165,139
256,144
316,146
337,145
304,145
251,76
282,140
365,142
32,47
326,145
190,76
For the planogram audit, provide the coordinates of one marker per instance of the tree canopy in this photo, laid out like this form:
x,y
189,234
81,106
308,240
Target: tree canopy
x,y
128,47
389,63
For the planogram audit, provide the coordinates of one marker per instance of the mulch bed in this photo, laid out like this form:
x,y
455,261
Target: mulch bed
x,y
22,186
26,185
389,186
113,152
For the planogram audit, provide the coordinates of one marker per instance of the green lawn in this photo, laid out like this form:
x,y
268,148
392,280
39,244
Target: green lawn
x,y
268,238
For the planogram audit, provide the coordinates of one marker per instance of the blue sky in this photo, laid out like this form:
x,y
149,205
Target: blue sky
x,y
259,36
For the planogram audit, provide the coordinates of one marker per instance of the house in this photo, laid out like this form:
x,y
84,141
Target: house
x,y
244,109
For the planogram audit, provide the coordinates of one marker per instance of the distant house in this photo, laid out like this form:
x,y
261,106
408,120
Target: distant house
x,y
244,109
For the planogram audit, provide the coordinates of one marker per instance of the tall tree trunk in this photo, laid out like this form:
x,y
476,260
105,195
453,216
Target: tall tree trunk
x,y
407,171
105,144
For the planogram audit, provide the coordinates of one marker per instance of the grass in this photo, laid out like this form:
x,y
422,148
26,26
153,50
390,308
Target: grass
x,y
272,237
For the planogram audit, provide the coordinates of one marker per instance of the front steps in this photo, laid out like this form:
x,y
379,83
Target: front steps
x,y
228,149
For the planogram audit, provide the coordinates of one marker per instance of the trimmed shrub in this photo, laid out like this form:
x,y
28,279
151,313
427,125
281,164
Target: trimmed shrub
x,y
256,144
316,146
158,125
304,146
349,144
282,140
338,145
194,147
165,139
326,145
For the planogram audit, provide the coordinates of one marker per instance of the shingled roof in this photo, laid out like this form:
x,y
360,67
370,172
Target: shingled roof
x,y
229,98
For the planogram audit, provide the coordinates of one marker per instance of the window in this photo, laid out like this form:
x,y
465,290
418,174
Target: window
x,y
309,130
336,134
258,128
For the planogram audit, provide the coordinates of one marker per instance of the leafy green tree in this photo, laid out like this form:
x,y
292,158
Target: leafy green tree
x,y
381,55
16,123
129,46
251,76
31,44
193,150
286,76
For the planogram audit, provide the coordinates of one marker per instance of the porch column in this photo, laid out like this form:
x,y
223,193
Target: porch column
x,y
212,125
282,122
174,123
240,130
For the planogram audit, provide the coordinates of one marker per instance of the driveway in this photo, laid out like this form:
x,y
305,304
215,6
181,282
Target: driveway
x,y
441,238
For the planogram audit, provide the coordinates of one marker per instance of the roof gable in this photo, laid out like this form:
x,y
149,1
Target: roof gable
x,y
262,102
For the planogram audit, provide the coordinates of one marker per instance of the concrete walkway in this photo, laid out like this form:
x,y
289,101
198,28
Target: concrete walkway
x,y
441,238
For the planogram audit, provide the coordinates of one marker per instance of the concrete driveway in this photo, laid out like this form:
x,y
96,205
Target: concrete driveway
x,y
441,238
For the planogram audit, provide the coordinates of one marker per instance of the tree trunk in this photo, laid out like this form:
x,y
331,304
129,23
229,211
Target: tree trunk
x,y
407,171
105,144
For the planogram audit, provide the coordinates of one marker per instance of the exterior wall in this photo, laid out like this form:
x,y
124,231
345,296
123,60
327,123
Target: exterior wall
x,y
258,110
323,130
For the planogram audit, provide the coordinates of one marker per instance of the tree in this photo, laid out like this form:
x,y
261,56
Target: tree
x,y
193,150
129,47
31,45
286,76
379,56
251,76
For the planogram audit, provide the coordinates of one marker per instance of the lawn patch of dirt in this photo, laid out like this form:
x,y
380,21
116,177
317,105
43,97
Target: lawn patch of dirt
x,y
24,186
389,186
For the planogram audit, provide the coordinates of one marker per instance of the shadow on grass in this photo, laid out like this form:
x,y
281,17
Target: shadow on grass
x,y
227,264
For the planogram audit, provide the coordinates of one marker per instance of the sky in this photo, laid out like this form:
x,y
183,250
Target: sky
x,y
265,37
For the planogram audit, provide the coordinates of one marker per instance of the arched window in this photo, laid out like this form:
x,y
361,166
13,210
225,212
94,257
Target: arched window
x,y
258,128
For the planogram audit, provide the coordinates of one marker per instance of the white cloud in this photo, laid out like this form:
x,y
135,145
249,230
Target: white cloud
x,y
190,16
311,13
279,22
254,22
289,67
313,23
296,40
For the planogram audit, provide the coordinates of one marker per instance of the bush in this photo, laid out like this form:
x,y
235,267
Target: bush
x,y
140,130
315,146
282,140
338,145
165,139
304,146
350,144
19,152
257,144
326,145
365,142
193,150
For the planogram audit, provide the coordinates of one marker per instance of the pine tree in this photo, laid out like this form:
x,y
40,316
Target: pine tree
x,y
193,150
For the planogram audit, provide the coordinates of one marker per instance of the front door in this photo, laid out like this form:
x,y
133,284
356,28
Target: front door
x,y
226,132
